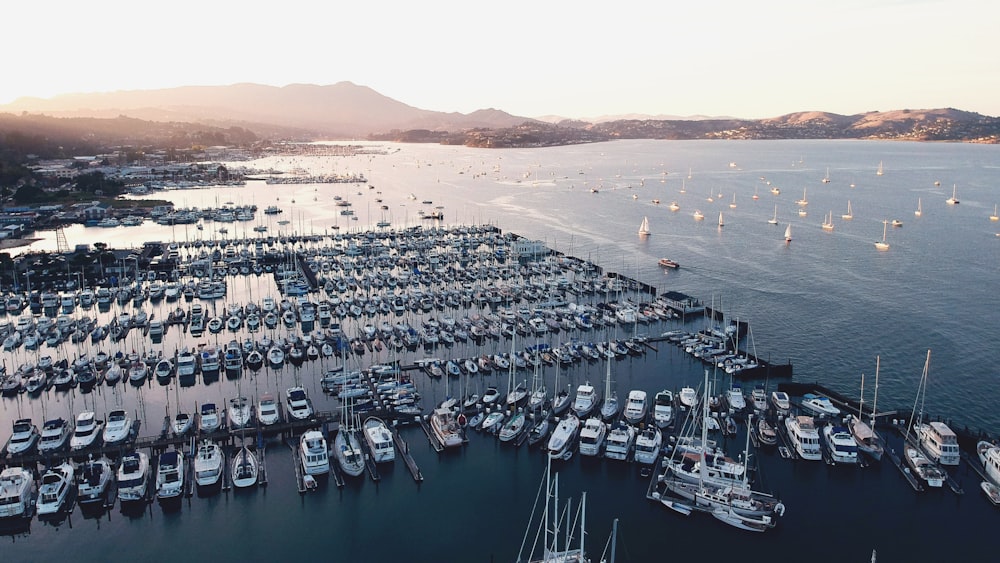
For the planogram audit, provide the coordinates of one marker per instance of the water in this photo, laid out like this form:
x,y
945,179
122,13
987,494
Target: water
x,y
829,302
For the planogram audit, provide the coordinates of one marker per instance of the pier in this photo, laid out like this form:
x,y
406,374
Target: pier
x,y
403,449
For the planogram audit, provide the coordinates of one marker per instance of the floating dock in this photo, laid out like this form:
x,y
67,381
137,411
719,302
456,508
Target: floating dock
x,y
403,449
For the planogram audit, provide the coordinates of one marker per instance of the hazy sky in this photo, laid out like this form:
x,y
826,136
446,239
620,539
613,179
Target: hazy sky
x,y
530,58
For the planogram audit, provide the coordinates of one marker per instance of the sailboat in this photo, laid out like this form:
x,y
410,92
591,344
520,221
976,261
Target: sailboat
x,y
954,198
914,456
788,233
644,227
803,201
994,217
826,179
774,220
879,171
245,467
732,205
881,244
828,222
919,211
864,434
556,543
721,223
609,409
850,214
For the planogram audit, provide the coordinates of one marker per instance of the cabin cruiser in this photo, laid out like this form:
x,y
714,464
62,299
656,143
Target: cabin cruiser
x,y
758,397
564,435
379,439
24,438
94,481
586,399
239,412
208,464
781,403
989,456
118,427
734,396
55,487
267,410
313,453
766,433
843,448
16,490
688,397
55,435
663,408
183,423
210,419
185,363
446,427
88,428
170,475
620,441
818,405
939,442
133,475
647,445
299,406
804,437
923,467
635,407
592,436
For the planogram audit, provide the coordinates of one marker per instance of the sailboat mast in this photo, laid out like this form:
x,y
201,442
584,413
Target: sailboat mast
x,y
875,400
704,432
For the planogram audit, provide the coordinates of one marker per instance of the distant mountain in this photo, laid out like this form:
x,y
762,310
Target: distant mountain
x,y
342,110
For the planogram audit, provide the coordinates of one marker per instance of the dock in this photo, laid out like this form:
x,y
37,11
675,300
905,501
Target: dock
x,y
435,443
403,449
907,474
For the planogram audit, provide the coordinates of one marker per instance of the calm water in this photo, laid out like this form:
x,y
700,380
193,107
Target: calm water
x,y
829,302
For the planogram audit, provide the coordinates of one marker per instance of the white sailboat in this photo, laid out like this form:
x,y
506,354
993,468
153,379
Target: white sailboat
x,y
882,244
721,222
774,219
788,233
954,195
644,227
828,222
994,217
732,204
919,462
919,211
864,434
556,543
802,201
826,179
850,214
609,409
879,171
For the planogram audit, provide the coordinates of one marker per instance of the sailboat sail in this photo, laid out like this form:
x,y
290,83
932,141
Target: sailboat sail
x,y
644,227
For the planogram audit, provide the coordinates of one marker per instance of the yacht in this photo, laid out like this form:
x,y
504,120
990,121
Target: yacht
x,y
635,407
592,436
299,406
561,441
239,412
24,438
183,423
663,408
210,420
245,468
267,410
647,445
55,487
688,397
804,437
939,442
782,405
94,481
208,464
185,364
446,428
133,475
840,442
313,453
923,467
819,405
737,401
210,361
118,427
55,435
586,400
379,440
17,487
759,398
170,475
989,456
620,440
865,437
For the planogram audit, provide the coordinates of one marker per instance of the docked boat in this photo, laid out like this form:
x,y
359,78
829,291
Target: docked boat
x,y
88,430
299,405
17,488
347,449
841,444
989,456
803,436
95,478
621,439
239,412
209,419
992,492
170,475
118,427
819,405
133,475
939,442
635,407
379,438
647,445
163,370
923,467
688,397
592,437
245,468
766,433
513,427
446,428
560,445
782,405
183,423
868,441
24,437
54,489
585,401
313,453
55,435
267,410
663,408
208,464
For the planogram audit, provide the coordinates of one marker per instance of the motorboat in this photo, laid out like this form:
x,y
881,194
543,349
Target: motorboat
x,y
819,405
592,436
560,445
736,399
923,467
94,480
245,468
17,487
275,356
804,437
24,437
688,397
513,427
209,420
446,428
163,370
648,444
239,412
585,401
208,464
133,474
267,410
55,487
183,423
781,403
635,407
170,475
621,439
939,442
766,433
379,438
55,435
492,421
210,361
989,456
663,408
118,427
840,443
758,397
299,405
313,453
186,364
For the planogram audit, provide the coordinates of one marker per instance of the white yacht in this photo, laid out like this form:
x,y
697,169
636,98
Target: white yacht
x,y
55,435
620,440
210,361
647,445
118,427
133,475
186,363
24,437
245,468
840,442
446,428
170,475
561,441
759,398
663,408
55,487
299,405
688,397
819,405
379,440
923,467
94,481
939,442
313,453
635,407
239,412
210,420
592,436
737,401
586,400
989,456
208,464
804,437
17,486
781,403
267,410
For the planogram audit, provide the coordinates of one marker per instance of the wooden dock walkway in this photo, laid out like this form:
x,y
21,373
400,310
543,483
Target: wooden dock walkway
x,y
435,443
403,449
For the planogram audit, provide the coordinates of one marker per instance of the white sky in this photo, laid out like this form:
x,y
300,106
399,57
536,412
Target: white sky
x,y
529,58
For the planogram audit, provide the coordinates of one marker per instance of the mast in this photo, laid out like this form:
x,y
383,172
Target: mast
x,y
704,433
875,400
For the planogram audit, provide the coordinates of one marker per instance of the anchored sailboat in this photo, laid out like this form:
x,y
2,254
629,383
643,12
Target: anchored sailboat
x,y
850,214
644,227
882,244
774,220
788,233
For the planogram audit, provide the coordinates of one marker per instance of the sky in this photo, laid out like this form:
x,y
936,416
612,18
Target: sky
x,y
530,58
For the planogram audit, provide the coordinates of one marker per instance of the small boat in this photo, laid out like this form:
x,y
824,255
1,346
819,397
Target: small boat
x,y
24,437
133,474
245,468
239,412
379,439
94,480
647,445
118,427
560,445
819,405
55,435
644,227
54,489
774,219
182,424
668,263
766,433
953,200
688,397
882,244
209,418
788,233
313,453
850,214
663,408
170,475
918,211
994,217
897,223
992,492
267,410
924,468
299,405
698,215
828,222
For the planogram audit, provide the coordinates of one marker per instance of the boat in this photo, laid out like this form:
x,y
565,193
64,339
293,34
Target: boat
x,y
299,405
802,202
992,492
170,475
953,200
552,543
346,447
239,412
446,428
636,407
994,217
841,444
621,439
868,441
208,464
803,436
133,474
663,408
88,429
774,218
788,233
698,215
610,407
939,441
118,427
850,214
17,488
766,433
513,427
819,405
209,420
878,172
923,467
918,212
592,436
313,454
267,410
759,398
674,206
750,523
882,244
183,423
989,456
897,223
94,481
54,489
826,179
644,227
245,467
379,438
647,445
560,445
668,263
585,401
828,222
721,222
55,435
24,437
